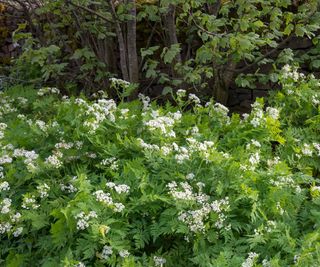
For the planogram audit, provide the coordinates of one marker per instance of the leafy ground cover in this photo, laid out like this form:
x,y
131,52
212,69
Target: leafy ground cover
x,y
99,183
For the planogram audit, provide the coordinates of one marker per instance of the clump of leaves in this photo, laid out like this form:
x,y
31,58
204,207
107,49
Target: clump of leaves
x,y
99,183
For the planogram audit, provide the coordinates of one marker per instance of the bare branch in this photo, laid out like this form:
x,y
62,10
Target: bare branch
x,y
259,59
203,29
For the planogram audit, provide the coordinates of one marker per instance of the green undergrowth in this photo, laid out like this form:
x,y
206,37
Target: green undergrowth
x,y
99,183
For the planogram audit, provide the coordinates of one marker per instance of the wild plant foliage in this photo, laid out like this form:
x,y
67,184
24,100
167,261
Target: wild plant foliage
x,y
100,183
190,44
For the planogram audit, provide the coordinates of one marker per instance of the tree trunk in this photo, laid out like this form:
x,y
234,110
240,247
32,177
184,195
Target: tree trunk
x,y
222,83
121,43
170,24
133,65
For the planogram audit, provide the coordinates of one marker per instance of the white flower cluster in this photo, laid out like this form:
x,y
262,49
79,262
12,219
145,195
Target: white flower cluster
x,y
163,123
274,161
245,116
4,186
124,253
98,112
5,205
190,176
29,203
279,208
42,125
221,109
120,188
43,190
22,100
145,101
266,263
54,160
193,98
183,153
5,227
193,131
29,156
48,90
296,259
317,148
283,181
147,146
273,113
91,155
218,112
16,217
64,145
17,232
249,262
106,252
107,199
196,146
111,162
1,172
3,126
79,264
203,148
254,143
83,219
181,93
159,261
21,116
80,102
271,225
254,158
289,72
6,104
118,207
5,159
103,197
68,188
257,112
124,113
119,82
185,194
306,150
195,219
315,99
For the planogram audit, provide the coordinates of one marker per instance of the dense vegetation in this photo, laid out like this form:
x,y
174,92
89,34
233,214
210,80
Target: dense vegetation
x,y
117,148
162,46
100,183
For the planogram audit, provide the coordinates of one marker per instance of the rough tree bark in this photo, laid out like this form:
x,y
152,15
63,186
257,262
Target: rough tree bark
x,y
121,43
222,82
170,24
133,65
